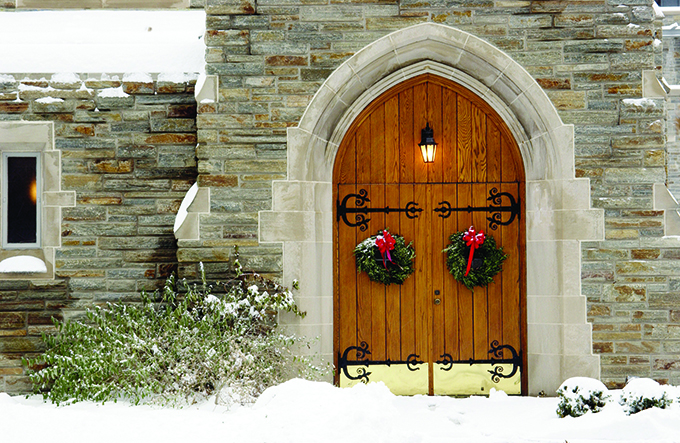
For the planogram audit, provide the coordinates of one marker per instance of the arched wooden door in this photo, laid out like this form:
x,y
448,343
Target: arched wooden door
x,y
430,334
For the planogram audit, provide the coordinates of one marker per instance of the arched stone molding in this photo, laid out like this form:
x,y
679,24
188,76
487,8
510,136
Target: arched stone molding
x,y
558,215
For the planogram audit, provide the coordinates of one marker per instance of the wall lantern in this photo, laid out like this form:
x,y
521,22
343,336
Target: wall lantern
x,y
428,147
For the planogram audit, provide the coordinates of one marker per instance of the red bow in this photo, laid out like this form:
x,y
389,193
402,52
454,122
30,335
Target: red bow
x,y
385,244
473,240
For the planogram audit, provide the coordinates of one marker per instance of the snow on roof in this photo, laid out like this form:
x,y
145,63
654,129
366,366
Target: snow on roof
x,y
97,41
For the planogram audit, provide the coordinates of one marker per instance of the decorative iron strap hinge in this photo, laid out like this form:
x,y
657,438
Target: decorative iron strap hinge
x,y
496,359
344,363
361,211
495,219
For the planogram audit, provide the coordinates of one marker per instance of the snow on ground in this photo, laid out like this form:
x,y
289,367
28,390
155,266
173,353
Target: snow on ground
x,y
96,41
300,411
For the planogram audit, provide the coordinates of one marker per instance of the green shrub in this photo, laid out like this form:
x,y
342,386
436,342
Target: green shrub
x,y
579,395
644,393
177,347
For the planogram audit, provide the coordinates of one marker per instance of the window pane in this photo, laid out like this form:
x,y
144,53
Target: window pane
x,y
21,200
669,3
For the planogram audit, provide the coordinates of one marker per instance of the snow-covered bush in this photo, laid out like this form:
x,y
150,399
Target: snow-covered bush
x,y
579,395
179,346
644,393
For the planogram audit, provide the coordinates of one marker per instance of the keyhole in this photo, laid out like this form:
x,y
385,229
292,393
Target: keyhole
x,y
436,292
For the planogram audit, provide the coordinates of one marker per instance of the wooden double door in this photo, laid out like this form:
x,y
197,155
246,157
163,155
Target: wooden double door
x,y
430,334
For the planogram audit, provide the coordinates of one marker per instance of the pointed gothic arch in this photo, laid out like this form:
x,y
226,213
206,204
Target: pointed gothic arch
x,y
558,212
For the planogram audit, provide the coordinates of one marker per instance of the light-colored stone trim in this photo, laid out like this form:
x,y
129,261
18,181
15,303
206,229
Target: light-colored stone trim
x,y
39,137
558,214
190,227
665,201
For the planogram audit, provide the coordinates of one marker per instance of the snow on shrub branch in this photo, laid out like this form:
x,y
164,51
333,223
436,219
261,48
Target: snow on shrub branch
x,y
176,347
580,395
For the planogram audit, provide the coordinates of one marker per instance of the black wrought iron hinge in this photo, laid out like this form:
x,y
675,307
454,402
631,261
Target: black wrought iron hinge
x,y
497,358
496,218
412,210
344,362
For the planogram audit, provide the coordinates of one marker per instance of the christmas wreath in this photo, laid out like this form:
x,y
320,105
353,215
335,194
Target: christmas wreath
x,y
473,258
385,257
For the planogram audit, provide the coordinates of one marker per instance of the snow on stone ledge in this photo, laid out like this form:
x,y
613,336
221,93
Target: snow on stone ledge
x,y
112,92
640,102
22,264
138,77
49,100
95,41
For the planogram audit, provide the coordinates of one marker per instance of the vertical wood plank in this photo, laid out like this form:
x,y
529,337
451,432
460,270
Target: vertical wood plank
x,y
511,278
434,117
393,292
448,147
439,242
478,153
495,288
493,152
480,298
451,286
509,171
408,288
347,172
465,296
392,140
419,122
347,274
363,152
377,145
422,276
377,290
464,139
364,305
406,137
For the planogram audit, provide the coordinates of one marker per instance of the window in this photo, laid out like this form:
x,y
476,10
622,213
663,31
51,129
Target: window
x,y
666,3
31,200
21,193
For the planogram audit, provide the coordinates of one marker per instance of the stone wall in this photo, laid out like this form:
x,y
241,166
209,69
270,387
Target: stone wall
x,y
130,159
588,55
128,151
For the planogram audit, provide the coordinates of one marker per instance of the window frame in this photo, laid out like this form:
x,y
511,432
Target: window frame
x,y
38,179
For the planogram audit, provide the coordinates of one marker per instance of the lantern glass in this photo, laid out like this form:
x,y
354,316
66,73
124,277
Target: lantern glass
x,y
428,147
428,151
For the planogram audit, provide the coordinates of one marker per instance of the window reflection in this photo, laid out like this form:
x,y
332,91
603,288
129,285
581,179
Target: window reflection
x,y
21,200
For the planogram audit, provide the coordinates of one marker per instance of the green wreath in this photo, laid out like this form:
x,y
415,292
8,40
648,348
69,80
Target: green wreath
x,y
394,266
487,262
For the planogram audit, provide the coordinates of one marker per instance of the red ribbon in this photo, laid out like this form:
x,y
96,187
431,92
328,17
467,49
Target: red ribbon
x,y
385,244
474,240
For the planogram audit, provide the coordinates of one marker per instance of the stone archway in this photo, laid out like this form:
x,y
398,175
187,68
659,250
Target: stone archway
x,y
558,209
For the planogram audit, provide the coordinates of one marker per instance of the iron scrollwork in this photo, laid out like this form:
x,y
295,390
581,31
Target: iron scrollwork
x,y
496,208
362,351
411,210
496,352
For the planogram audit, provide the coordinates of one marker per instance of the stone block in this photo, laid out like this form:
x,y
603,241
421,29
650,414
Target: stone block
x,y
230,7
12,320
217,180
13,107
173,125
106,103
215,37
